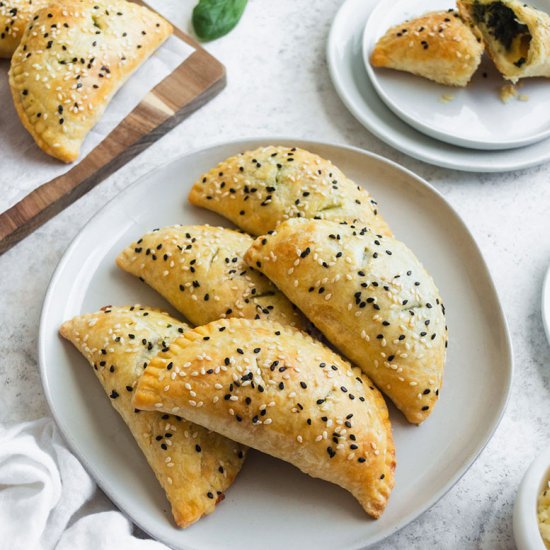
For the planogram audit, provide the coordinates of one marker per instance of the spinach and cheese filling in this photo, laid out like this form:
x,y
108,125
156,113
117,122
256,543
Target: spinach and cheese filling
x,y
510,36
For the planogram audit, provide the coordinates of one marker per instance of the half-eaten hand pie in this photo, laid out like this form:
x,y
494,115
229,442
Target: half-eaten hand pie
x,y
517,35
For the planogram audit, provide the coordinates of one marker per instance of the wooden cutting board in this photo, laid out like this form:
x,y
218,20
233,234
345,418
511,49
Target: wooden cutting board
x,y
199,78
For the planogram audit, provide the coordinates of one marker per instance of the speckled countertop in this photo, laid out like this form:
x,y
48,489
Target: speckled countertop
x,y
278,83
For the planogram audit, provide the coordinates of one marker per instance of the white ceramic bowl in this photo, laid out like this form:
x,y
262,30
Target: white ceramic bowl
x,y
545,308
526,528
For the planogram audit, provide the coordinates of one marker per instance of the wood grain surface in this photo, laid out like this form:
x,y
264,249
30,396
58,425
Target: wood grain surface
x,y
199,78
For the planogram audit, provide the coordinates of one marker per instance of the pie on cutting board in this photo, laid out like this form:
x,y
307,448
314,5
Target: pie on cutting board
x,y
73,57
14,16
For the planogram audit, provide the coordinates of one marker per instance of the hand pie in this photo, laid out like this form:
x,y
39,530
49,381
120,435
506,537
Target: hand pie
x,y
259,189
276,389
371,298
517,36
194,466
14,16
200,270
73,57
437,46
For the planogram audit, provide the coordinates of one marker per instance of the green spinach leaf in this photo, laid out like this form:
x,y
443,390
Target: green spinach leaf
x,y
214,18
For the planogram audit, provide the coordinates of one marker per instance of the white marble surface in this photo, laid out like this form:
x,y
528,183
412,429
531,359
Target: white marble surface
x,y
278,83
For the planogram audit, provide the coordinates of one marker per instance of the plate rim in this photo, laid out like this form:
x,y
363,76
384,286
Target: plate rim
x,y
423,152
451,139
257,141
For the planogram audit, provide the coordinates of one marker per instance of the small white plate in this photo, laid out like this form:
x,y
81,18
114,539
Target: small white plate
x,y
272,505
473,116
349,75
526,527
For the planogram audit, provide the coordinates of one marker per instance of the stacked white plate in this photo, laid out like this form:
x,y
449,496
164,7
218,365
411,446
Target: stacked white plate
x,y
469,128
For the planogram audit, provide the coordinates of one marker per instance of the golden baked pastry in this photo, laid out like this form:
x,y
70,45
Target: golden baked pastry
x,y
14,16
517,35
73,57
200,270
259,189
438,46
371,298
278,390
194,466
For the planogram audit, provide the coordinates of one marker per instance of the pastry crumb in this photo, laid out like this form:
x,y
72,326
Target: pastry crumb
x,y
508,92
446,98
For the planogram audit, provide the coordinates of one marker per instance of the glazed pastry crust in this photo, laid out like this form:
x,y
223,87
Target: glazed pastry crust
x,y
371,298
73,57
437,46
14,16
257,190
201,271
276,389
518,61
119,342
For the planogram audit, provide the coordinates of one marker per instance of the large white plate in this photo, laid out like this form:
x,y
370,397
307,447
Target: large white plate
x,y
272,504
475,117
349,75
